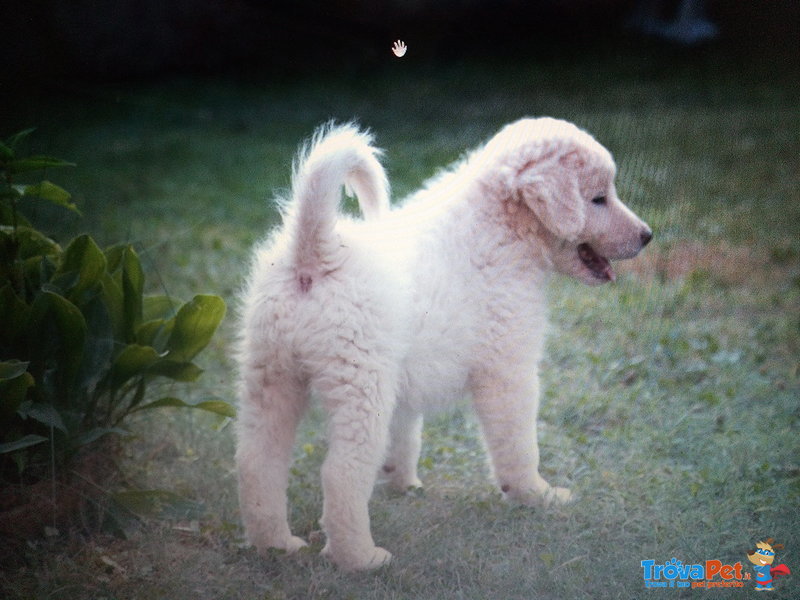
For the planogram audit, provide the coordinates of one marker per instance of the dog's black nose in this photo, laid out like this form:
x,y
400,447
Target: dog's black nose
x,y
646,236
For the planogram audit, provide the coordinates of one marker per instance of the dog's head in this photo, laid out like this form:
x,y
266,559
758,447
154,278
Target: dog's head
x,y
764,552
561,180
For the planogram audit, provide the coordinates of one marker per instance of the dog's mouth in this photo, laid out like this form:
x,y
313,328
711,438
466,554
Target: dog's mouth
x,y
598,265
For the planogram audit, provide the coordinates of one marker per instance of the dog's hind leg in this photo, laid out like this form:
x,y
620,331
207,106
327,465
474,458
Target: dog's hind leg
x,y
400,466
268,416
359,399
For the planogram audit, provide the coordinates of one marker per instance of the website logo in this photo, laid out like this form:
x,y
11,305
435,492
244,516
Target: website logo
x,y
711,574
706,575
763,558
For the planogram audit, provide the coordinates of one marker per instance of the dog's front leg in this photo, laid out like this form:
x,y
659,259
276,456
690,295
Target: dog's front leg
x,y
507,408
400,466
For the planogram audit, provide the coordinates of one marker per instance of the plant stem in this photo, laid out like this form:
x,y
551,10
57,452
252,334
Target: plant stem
x,y
11,252
14,199
53,473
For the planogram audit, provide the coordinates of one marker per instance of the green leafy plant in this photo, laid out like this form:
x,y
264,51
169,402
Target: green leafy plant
x,y
80,342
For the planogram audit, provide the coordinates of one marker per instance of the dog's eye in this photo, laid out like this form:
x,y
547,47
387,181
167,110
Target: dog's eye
x,y
599,200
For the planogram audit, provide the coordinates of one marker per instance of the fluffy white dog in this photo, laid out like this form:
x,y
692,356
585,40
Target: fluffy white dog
x,y
411,309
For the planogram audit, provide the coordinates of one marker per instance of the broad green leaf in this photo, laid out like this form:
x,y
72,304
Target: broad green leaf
x,y
12,394
6,213
39,272
218,407
155,333
124,265
35,163
159,307
31,241
18,137
49,191
114,257
95,434
14,317
57,331
195,325
120,295
133,290
6,153
111,292
83,258
100,343
132,361
11,369
25,442
43,413
179,371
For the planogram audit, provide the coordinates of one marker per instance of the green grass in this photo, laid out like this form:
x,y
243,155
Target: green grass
x,y
670,400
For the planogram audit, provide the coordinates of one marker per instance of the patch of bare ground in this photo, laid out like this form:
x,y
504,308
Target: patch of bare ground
x,y
721,261
73,499
158,562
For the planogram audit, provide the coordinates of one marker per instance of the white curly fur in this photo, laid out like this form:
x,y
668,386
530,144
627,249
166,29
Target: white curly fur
x,y
410,310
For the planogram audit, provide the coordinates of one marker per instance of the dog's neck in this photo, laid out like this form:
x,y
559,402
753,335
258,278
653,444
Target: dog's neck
x,y
514,238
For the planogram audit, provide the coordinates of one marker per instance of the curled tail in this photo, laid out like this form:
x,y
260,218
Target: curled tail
x,y
335,156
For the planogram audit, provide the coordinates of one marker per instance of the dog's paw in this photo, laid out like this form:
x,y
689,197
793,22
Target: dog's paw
x,y
550,496
294,544
380,557
557,496
290,545
364,560
406,486
401,482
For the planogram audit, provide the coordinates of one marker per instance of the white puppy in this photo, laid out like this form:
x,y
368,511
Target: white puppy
x,y
411,309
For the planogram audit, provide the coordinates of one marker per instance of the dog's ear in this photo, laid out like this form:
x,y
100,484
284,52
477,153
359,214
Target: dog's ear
x,y
553,195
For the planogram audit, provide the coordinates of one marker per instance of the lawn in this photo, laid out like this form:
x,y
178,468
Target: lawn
x,y
670,399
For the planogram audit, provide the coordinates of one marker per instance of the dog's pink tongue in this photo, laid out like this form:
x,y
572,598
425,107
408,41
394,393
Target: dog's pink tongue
x,y
598,265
